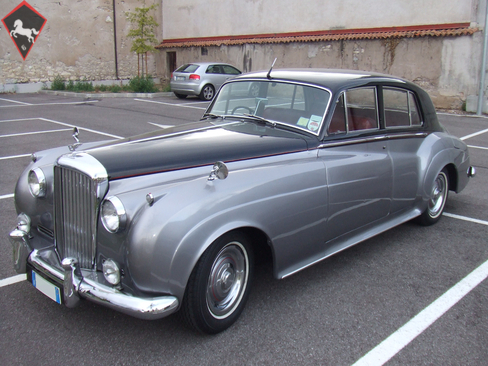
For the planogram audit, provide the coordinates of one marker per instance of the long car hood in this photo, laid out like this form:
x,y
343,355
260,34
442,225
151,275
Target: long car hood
x,y
204,144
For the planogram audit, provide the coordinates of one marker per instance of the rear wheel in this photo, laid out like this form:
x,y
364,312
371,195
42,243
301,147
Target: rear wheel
x,y
207,92
219,285
437,201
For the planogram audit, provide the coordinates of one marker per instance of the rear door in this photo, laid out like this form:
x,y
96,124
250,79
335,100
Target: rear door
x,y
402,123
218,74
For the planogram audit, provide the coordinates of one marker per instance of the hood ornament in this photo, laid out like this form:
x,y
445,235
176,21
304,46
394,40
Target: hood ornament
x,y
76,132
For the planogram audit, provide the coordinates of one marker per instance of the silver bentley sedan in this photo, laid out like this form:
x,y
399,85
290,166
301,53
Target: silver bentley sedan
x,y
309,164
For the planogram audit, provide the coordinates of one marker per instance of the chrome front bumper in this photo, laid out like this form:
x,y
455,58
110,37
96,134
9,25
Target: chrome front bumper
x,y
78,283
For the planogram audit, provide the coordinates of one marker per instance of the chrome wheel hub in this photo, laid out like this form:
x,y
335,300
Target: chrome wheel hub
x,y
438,195
227,280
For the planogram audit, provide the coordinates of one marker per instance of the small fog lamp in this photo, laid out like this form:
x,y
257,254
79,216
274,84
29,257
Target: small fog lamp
x,y
111,272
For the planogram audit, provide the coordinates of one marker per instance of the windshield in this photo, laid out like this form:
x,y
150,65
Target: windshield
x,y
297,105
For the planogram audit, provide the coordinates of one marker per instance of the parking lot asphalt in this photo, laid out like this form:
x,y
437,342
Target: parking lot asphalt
x,y
411,296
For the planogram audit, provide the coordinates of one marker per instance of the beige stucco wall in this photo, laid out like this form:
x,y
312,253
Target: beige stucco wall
x,y
77,42
210,18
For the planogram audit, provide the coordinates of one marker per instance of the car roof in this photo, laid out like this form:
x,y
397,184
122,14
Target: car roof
x,y
329,78
208,63
338,80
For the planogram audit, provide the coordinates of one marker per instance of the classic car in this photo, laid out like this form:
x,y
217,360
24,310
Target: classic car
x,y
315,162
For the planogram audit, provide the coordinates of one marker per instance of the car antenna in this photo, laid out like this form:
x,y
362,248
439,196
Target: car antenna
x,y
271,68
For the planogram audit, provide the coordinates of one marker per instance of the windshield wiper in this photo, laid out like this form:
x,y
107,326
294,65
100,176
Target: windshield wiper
x,y
259,118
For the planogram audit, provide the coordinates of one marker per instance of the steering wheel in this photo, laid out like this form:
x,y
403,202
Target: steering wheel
x,y
242,106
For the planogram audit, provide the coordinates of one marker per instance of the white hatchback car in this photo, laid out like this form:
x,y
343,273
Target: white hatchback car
x,y
201,78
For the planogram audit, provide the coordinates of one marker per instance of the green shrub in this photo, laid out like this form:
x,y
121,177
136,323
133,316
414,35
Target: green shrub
x,y
70,86
84,86
142,84
115,88
101,88
58,83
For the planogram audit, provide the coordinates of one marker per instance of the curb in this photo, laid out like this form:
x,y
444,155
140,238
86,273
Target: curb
x,y
106,95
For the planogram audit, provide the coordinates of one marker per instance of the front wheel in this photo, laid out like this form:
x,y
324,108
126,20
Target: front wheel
x,y
219,285
437,200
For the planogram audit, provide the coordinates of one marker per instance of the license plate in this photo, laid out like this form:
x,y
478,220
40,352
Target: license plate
x,y
179,78
46,287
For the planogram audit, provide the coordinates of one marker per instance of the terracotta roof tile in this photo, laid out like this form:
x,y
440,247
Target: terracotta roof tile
x,y
446,30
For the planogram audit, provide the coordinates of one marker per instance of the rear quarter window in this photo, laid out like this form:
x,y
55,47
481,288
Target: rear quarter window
x,y
401,109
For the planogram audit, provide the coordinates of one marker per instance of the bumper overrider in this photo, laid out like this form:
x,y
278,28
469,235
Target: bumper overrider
x,y
77,283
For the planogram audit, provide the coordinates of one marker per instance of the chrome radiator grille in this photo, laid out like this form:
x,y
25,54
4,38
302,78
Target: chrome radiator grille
x,y
75,211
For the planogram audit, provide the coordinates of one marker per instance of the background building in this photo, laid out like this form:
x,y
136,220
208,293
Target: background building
x,y
436,43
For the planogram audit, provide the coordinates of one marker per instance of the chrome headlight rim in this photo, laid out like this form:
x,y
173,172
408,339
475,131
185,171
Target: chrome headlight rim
x,y
113,215
36,180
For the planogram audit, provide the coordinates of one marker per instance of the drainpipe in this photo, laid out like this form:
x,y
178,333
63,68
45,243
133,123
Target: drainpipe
x,y
483,66
115,42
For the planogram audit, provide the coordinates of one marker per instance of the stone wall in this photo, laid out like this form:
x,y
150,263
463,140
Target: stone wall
x,y
77,42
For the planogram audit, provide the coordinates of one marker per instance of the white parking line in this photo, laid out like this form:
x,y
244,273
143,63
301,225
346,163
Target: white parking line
x,y
12,280
186,105
387,349
477,147
6,196
14,101
474,134
35,132
41,104
476,221
62,124
81,128
160,126
15,156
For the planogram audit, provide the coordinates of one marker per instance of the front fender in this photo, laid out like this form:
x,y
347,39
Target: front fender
x,y
271,195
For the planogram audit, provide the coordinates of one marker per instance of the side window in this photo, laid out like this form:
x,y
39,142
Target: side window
x,y
400,108
230,70
338,122
361,109
396,108
214,69
414,111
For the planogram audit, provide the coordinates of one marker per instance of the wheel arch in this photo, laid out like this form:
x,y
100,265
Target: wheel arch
x,y
181,266
452,175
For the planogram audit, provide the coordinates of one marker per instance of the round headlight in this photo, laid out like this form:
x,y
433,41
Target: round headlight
x,y
113,215
111,271
37,182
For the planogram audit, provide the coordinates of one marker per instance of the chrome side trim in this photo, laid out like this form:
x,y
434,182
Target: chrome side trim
x,y
361,140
